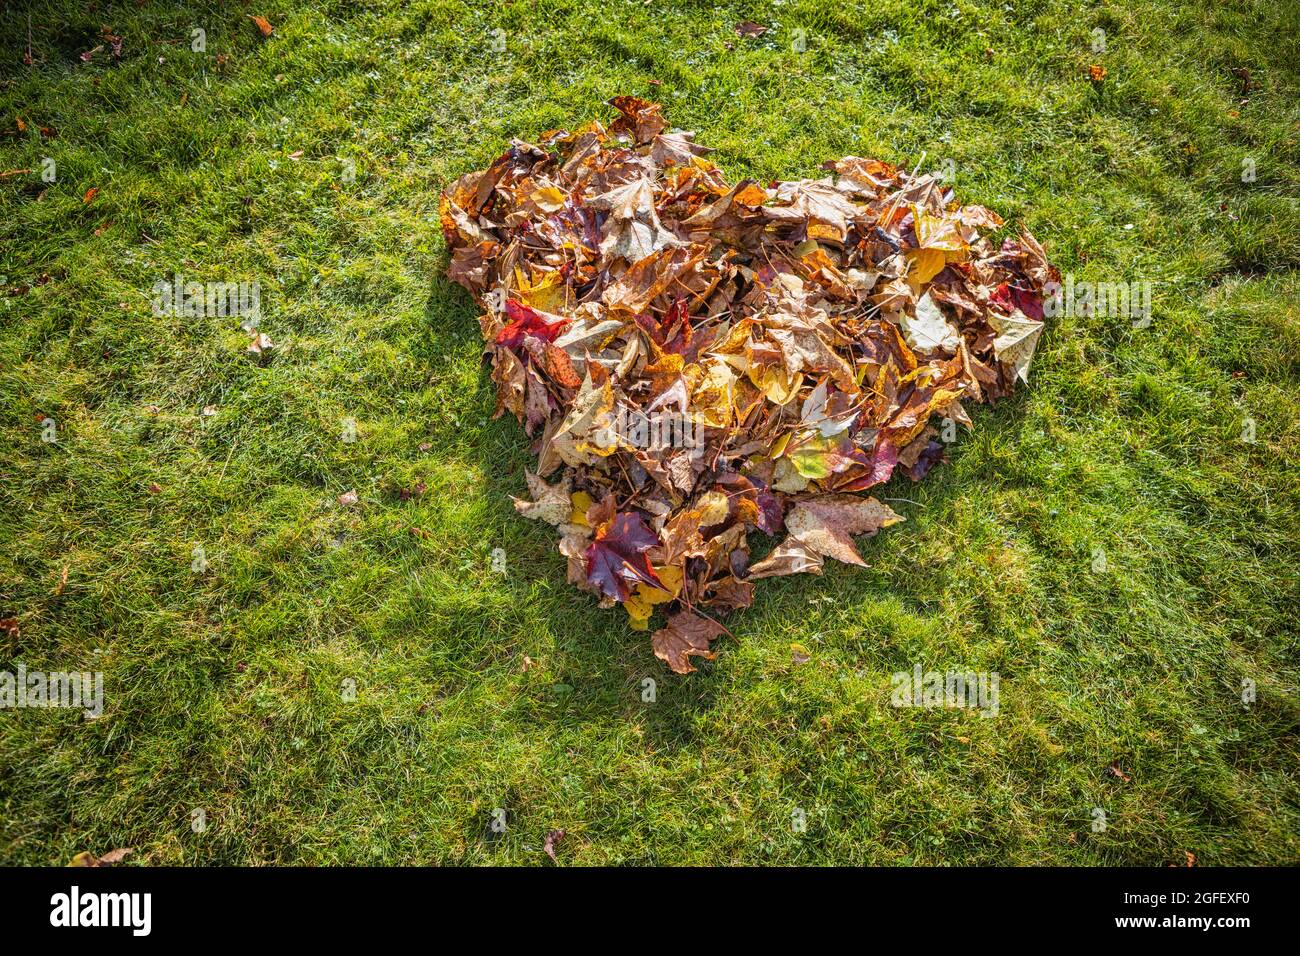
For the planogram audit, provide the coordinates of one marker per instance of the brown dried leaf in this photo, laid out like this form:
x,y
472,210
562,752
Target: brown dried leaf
x,y
824,525
687,635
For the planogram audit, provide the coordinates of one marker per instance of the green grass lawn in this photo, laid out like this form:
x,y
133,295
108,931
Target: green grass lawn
x,y
1105,540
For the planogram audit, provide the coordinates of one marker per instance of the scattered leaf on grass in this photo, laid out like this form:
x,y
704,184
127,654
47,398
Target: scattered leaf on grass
x,y
111,858
687,635
262,24
552,840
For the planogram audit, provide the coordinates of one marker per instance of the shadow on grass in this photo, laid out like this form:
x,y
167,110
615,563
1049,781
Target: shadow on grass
x,y
601,661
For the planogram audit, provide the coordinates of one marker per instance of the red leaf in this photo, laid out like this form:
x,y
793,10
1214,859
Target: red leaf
x,y
1008,298
617,556
525,321
678,313
881,465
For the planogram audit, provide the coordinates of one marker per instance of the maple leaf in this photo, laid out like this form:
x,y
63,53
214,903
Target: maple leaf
x,y
880,465
788,557
617,556
551,503
824,524
526,321
687,635
1011,298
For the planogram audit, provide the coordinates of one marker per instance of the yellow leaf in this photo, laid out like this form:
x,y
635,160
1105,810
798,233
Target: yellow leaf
x,y
933,232
547,293
548,199
640,603
711,388
926,264
776,382
713,509
581,502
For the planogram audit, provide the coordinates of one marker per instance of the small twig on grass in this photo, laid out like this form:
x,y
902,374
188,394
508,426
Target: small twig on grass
x,y
233,445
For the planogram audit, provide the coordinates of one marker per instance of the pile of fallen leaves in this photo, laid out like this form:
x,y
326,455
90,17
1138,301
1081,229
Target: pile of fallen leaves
x,y
803,339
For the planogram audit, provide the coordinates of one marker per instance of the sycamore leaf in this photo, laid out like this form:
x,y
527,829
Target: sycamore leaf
x,y
551,503
527,321
824,524
1017,338
687,635
617,556
789,557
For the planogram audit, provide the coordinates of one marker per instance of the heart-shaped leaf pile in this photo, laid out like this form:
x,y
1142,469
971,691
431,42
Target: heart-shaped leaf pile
x,y
697,358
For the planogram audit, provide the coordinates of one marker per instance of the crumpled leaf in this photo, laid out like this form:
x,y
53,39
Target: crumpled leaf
x,y
687,635
551,503
789,557
929,331
553,838
824,524
1016,340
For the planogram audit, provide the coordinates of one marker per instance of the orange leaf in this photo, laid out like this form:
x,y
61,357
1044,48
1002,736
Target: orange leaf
x,y
263,24
91,193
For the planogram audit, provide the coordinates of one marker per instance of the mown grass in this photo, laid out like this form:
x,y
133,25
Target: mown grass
x,y
224,688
